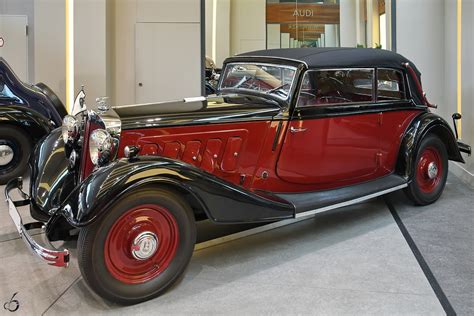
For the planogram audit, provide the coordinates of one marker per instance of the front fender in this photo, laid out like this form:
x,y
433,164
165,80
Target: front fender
x,y
33,123
422,125
222,202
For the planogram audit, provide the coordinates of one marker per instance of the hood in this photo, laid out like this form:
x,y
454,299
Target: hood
x,y
196,111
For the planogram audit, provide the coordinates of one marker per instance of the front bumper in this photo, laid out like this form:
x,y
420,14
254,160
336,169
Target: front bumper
x,y
47,253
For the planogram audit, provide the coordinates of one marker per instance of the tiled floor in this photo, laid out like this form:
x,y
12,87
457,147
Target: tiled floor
x,y
348,261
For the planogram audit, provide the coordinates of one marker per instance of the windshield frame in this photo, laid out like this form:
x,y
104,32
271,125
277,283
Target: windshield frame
x,y
257,92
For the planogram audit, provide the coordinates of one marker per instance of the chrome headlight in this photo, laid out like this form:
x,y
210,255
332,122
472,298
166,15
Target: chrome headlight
x,y
100,146
70,129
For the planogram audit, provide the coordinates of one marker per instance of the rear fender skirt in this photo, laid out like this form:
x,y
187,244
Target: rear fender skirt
x,y
221,201
425,123
34,124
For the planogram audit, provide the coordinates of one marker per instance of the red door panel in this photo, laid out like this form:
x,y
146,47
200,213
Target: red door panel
x,y
231,154
211,155
330,150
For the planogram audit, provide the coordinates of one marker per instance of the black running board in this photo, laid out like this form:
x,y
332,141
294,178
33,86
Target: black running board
x,y
311,203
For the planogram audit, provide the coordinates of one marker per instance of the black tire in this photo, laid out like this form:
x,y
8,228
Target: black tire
x,y
21,145
422,190
92,243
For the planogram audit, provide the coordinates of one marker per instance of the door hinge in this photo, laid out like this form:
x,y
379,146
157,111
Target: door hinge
x,y
27,30
380,118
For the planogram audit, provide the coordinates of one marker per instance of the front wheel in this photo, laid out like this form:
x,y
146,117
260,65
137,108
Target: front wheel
x,y
15,150
139,248
429,172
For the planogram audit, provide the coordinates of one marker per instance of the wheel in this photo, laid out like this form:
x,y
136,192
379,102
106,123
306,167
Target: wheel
x,y
429,172
15,150
139,248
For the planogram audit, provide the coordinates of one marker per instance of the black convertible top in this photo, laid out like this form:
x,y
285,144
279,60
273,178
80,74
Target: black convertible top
x,y
326,57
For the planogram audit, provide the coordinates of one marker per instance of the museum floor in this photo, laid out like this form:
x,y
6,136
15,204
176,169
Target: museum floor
x,y
380,257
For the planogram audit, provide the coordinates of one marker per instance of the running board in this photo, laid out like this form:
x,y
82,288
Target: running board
x,y
307,204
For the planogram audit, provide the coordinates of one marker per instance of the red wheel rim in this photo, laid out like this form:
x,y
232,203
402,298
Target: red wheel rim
x,y
429,170
129,256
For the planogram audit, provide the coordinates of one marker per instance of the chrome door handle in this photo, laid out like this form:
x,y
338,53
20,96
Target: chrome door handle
x,y
297,130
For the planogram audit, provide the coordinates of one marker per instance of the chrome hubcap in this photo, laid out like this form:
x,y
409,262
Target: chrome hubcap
x,y
432,170
144,246
6,155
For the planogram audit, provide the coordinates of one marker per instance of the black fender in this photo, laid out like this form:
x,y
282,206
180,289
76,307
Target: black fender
x,y
39,98
34,124
53,98
221,201
422,125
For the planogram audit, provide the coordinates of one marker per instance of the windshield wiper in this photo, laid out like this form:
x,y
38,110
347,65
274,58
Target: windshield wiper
x,y
279,89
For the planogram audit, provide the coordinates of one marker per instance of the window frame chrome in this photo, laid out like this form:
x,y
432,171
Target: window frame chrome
x,y
373,69
292,84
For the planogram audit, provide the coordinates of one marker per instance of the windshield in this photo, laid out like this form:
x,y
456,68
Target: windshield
x,y
263,78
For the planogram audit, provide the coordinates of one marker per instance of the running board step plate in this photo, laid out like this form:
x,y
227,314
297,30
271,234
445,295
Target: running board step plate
x,y
311,203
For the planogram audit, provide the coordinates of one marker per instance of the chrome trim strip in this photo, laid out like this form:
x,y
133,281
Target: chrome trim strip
x,y
58,258
194,99
351,202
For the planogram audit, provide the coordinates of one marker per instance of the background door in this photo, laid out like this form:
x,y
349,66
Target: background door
x,y
14,43
168,62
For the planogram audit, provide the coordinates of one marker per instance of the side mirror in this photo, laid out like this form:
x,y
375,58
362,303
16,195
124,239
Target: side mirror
x,y
79,102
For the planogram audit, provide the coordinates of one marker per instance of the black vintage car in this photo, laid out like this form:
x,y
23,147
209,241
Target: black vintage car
x,y
27,113
291,133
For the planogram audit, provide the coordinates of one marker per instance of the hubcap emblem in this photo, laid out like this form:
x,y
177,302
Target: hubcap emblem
x,y
432,170
6,155
144,246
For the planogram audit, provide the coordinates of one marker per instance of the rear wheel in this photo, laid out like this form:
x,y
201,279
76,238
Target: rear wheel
x,y
15,150
139,248
429,173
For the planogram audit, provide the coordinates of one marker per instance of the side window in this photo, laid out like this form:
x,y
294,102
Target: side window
x,y
325,87
390,86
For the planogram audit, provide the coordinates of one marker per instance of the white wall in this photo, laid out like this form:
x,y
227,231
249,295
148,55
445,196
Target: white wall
x,y
222,30
426,34
90,48
50,43
348,21
23,7
247,25
420,38
130,12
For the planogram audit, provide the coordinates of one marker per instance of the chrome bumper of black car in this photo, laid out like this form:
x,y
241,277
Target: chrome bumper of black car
x,y
58,258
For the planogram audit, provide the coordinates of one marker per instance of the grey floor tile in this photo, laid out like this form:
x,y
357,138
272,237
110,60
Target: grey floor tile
x,y
241,297
444,234
351,261
38,285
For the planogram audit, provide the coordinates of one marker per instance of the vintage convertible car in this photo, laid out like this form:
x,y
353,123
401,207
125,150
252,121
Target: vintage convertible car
x,y
27,113
292,133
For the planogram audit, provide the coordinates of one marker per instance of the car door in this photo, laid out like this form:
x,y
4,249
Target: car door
x,y
333,136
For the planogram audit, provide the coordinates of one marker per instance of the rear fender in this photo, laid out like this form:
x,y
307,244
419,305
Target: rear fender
x,y
422,125
221,201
